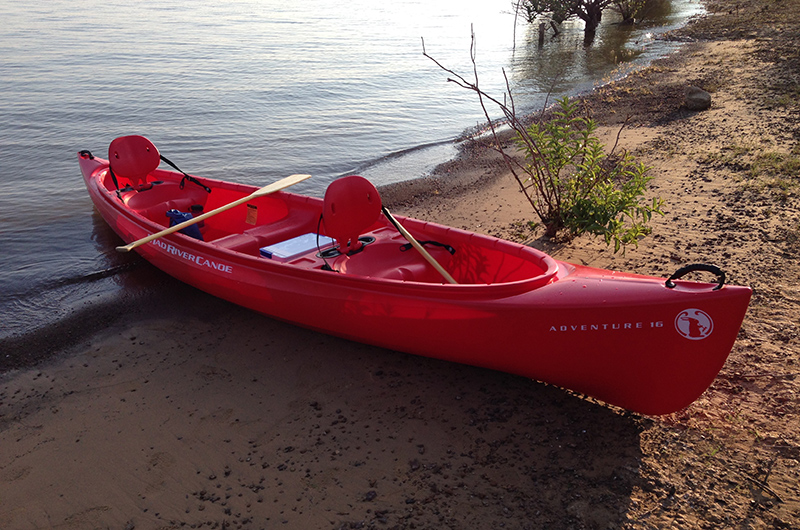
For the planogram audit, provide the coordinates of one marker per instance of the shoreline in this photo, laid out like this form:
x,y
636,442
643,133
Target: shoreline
x,y
221,418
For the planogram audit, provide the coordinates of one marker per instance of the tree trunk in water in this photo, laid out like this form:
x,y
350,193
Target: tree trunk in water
x,y
593,15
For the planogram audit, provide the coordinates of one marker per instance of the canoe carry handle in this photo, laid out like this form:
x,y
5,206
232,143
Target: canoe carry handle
x,y
683,271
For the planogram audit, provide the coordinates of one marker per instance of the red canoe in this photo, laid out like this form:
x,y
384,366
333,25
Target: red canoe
x,y
637,342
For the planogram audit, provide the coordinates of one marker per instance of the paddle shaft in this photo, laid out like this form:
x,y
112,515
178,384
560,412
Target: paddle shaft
x,y
266,190
414,243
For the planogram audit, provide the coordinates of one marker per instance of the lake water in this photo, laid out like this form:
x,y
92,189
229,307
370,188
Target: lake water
x,y
249,91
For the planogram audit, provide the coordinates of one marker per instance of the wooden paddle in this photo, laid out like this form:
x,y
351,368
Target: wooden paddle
x,y
266,190
414,243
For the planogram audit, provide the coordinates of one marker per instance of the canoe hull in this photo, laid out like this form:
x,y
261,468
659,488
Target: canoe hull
x,y
622,338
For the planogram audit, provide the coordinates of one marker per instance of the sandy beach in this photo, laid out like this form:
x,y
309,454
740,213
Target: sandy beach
x,y
226,419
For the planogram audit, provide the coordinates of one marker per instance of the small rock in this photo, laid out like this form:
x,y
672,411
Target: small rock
x,y
697,98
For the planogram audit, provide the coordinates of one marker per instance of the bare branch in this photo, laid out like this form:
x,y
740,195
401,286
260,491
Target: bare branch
x,y
563,165
619,133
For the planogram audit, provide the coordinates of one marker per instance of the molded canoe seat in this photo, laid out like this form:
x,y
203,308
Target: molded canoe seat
x,y
154,202
247,243
384,259
254,238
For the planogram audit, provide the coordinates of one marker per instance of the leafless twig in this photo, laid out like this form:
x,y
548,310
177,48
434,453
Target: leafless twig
x,y
531,178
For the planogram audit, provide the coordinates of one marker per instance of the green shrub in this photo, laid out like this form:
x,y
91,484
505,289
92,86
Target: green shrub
x,y
578,187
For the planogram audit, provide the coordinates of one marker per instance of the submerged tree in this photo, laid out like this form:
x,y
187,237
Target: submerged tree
x,y
590,11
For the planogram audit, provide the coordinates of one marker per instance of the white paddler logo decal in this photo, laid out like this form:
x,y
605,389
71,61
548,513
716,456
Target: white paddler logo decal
x,y
694,324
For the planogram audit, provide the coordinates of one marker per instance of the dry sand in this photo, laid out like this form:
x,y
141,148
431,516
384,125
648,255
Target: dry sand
x,y
226,419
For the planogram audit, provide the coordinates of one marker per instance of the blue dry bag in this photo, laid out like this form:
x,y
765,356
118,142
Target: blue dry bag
x,y
177,217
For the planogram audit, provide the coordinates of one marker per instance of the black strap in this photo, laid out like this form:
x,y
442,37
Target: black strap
x,y
114,180
185,175
326,266
449,249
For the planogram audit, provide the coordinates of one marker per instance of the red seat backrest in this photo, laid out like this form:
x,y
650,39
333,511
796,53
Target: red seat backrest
x,y
351,205
133,157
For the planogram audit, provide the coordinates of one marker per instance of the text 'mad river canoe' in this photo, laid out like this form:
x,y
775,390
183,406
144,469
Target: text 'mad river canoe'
x,y
340,265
